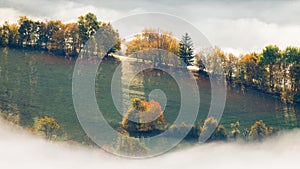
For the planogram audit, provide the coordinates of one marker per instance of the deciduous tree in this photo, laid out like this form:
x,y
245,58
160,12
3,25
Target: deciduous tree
x,y
258,131
49,126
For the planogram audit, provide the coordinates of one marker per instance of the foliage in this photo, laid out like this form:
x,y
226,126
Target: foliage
x,y
178,131
258,131
154,46
209,126
273,70
220,133
186,51
49,126
143,116
245,134
151,38
235,131
273,131
87,25
55,36
270,56
10,113
213,59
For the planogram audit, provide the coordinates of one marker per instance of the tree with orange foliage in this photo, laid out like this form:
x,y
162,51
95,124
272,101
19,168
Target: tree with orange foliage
x,y
150,44
143,116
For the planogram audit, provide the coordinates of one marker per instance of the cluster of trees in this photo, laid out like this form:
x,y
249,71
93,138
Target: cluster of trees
x,y
46,126
135,126
132,146
257,132
55,36
151,38
145,117
273,70
161,47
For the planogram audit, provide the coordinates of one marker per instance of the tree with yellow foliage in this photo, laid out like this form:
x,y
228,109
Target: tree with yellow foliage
x,y
258,131
49,126
155,46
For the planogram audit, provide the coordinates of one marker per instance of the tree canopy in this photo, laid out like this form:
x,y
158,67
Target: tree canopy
x,y
57,37
143,116
49,126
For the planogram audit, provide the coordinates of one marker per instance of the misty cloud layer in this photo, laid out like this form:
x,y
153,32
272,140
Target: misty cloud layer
x,y
20,150
235,25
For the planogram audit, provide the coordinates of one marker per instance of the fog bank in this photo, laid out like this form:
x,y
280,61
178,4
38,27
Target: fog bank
x,y
21,150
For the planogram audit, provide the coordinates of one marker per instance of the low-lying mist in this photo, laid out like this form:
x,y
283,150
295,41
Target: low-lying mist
x,y
21,150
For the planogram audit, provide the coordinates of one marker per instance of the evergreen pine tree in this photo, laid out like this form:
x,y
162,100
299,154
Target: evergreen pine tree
x,y
186,51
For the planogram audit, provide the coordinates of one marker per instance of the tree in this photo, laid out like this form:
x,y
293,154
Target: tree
x,y
107,40
230,66
72,38
220,133
24,30
250,70
53,39
258,131
273,131
5,34
270,56
292,57
49,126
13,35
295,74
43,36
186,51
178,131
143,116
245,134
209,126
235,131
88,26
58,42
29,32
214,60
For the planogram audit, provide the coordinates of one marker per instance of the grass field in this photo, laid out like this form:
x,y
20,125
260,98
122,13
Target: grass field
x,y
38,84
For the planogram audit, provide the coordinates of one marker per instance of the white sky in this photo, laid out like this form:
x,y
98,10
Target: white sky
x,y
236,26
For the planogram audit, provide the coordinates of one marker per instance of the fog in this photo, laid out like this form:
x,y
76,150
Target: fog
x,y
19,149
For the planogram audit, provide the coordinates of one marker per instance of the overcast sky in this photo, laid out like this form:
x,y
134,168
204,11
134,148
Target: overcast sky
x,y
236,26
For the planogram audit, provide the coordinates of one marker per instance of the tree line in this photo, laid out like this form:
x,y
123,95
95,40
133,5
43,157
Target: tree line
x,y
272,70
137,124
161,48
54,36
139,119
142,112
